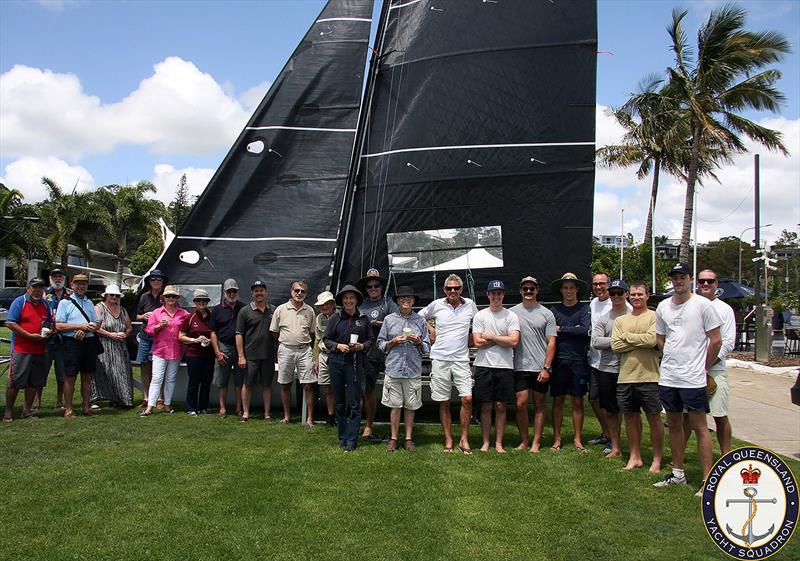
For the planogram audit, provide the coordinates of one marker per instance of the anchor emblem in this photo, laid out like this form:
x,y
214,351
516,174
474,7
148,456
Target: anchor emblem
x,y
748,536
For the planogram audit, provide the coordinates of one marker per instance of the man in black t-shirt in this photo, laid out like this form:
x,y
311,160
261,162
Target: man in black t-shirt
x,y
255,346
223,341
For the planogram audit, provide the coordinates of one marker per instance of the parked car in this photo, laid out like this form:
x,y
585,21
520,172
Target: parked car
x,y
8,295
3,316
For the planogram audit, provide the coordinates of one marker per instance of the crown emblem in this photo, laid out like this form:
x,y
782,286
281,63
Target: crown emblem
x,y
750,476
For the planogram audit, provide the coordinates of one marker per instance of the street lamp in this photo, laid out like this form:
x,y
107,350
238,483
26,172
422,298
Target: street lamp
x,y
740,246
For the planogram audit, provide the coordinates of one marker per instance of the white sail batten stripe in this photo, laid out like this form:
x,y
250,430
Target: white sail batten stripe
x,y
256,239
343,19
403,5
474,146
278,127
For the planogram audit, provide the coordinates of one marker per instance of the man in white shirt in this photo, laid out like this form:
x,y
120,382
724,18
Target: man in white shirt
x,y
687,332
495,331
599,305
450,357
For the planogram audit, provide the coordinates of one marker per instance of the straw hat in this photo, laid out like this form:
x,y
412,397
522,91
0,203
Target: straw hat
x,y
170,290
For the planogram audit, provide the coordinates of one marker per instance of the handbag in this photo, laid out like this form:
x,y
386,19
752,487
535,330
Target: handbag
x,y
98,345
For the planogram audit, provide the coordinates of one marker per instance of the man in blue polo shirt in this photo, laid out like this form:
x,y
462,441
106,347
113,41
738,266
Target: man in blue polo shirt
x,y
30,321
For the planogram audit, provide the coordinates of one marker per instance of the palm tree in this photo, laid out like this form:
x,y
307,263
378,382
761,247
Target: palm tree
x,y
720,83
13,230
131,212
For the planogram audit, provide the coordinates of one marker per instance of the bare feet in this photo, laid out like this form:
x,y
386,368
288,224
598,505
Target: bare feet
x,y
633,464
522,446
655,467
614,454
499,447
556,447
535,447
485,447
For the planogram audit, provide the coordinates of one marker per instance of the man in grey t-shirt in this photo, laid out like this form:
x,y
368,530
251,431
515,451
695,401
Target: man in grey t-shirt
x,y
532,360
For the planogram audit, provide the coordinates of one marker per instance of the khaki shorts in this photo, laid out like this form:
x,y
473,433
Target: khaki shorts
x,y
718,403
402,392
299,360
324,373
447,373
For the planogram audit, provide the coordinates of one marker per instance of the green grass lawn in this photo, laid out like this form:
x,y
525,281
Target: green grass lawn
x,y
174,487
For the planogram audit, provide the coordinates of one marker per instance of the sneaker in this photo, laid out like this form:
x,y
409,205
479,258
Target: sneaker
x,y
331,422
600,440
670,479
192,413
699,492
351,447
94,407
607,448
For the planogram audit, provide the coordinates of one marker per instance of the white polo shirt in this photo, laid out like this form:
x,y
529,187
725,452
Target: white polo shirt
x,y
452,328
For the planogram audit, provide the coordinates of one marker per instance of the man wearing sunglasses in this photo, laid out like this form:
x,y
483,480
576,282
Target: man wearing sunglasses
x,y
450,357
292,325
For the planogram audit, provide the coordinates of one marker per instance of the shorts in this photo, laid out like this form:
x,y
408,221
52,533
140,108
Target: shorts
x,y
54,355
222,374
594,385
145,352
676,400
323,372
295,358
402,392
79,356
448,373
718,403
372,371
569,378
493,385
607,384
260,372
27,371
524,381
638,396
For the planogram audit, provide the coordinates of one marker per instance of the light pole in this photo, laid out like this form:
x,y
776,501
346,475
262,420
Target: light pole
x,y
740,246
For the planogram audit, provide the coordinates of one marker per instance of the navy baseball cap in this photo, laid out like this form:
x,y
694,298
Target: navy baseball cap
x,y
495,285
619,284
680,269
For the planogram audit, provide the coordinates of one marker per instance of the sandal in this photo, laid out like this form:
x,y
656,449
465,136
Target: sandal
x,y
447,449
392,446
70,415
556,448
410,447
464,450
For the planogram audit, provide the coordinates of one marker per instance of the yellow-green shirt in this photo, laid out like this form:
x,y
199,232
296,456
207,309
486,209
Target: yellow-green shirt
x,y
634,338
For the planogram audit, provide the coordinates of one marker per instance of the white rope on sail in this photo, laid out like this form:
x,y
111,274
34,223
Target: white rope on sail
x,y
343,19
280,127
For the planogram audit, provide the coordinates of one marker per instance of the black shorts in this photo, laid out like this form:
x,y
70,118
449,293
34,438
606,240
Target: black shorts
x,y
372,369
79,356
607,385
638,396
260,372
570,377
524,381
678,400
493,385
594,385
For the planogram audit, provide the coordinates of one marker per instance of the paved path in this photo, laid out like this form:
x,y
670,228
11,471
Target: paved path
x,y
761,411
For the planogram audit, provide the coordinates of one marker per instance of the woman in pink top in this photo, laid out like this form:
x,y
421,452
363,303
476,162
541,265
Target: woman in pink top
x,y
164,325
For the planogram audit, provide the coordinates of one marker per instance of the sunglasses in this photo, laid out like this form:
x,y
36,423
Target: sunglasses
x,y
599,283
203,300
706,281
299,291
170,296
528,289
452,288
371,286
616,293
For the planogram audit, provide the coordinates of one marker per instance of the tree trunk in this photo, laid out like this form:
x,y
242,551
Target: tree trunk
x,y
119,271
691,180
648,230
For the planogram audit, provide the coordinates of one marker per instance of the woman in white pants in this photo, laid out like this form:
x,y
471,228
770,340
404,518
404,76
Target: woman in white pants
x,y
164,325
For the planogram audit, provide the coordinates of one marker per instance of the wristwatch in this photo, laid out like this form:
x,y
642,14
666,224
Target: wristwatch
x,y
547,369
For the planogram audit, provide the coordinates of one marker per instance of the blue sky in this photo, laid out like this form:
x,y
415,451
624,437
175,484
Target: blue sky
x,y
114,92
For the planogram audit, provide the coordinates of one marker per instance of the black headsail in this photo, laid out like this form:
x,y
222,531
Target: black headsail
x,y
271,210
478,154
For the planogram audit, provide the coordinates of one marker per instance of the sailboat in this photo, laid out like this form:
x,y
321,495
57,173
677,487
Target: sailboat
x,y
473,128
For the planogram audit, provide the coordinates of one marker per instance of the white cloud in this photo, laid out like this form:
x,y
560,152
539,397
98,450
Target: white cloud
x,y
56,5
166,179
177,110
26,175
253,96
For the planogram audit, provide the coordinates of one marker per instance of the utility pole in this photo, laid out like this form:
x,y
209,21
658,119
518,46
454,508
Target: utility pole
x,y
763,331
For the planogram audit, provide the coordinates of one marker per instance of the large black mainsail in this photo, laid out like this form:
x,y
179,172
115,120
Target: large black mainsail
x,y
271,209
477,155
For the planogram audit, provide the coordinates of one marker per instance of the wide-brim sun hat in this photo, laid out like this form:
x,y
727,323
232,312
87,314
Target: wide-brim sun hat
x,y
372,274
170,290
324,298
200,294
155,273
111,290
405,291
349,288
583,288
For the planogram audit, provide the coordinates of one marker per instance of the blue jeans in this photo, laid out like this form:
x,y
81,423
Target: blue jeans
x,y
347,381
201,370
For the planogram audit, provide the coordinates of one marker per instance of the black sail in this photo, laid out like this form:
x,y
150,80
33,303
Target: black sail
x,y
478,152
271,210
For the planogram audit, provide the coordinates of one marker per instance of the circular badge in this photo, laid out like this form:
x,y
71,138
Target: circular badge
x,y
374,314
750,503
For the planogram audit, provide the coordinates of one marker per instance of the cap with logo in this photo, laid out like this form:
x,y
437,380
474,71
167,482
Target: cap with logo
x,y
495,285
529,279
35,281
680,269
619,284
55,272
257,283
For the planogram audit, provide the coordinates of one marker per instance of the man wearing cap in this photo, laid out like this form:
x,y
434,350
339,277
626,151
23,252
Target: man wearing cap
x,y
404,338
30,321
255,347
223,341
607,371
495,331
634,338
293,326
327,307
450,357
533,360
376,306
149,301
77,322
571,374
54,355
707,284
688,333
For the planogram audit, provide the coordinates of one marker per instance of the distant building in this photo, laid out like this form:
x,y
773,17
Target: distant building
x,y
613,241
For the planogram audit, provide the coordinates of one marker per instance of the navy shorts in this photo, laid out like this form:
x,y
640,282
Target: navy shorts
x,y
524,381
491,385
678,400
569,377
607,386
79,356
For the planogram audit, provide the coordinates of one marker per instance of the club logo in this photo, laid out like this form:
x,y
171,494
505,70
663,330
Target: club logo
x,y
750,503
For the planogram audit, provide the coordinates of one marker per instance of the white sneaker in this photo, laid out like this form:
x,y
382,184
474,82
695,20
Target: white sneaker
x,y
193,413
670,479
699,491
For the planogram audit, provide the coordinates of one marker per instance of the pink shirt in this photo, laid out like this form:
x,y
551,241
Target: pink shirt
x,y
165,340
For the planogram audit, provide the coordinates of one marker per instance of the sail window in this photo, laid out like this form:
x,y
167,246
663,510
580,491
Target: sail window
x,y
187,294
256,147
450,249
190,257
